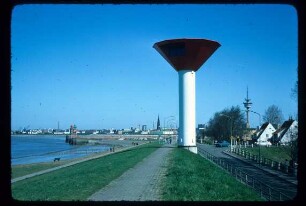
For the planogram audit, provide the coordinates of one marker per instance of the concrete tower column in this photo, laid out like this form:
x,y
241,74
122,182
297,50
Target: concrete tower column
x,y
187,118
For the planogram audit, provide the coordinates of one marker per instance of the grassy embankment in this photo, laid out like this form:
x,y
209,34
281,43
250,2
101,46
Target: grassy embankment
x,y
190,177
25,169
279,154
79,181
21,170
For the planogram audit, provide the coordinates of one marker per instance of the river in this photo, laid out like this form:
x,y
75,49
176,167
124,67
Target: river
x,y
27,149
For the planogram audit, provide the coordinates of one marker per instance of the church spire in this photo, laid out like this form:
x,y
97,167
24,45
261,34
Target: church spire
x,y
158,123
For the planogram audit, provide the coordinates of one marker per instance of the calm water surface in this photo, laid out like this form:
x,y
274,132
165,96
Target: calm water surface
x,y
27,149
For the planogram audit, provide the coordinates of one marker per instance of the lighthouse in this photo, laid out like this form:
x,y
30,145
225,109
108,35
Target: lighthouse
x,y
186,56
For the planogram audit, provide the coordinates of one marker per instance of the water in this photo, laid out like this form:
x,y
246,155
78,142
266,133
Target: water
x,y
27,149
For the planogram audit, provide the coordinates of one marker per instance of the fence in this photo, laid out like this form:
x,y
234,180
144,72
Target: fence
x,y
283,167
264,190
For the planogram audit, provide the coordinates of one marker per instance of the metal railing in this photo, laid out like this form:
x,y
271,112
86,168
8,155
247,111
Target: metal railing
x,y
283,167
264,190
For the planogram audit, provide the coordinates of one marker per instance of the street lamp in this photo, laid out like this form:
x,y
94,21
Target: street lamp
x,y
259,115
167,118
231,129
171,123
259,127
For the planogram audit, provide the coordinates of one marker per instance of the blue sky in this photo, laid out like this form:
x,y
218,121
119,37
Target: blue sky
x,y
94,65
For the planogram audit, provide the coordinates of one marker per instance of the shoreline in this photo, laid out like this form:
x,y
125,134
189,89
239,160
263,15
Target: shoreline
x,y
38,135
58,165
94,147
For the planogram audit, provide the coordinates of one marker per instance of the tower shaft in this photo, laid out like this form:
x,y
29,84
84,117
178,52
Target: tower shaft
x,y
247,123
187,110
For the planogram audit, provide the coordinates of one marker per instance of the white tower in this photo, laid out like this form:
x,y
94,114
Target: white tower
x,y
186,56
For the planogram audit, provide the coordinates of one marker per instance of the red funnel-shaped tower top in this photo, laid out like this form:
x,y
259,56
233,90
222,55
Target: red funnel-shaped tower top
x,y
186,54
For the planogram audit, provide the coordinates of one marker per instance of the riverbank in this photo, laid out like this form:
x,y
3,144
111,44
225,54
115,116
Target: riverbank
x,y
26,169
99,136
120,137
29,149
78,182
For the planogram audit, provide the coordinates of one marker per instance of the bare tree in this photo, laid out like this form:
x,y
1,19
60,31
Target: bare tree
x,y
273,115
294,91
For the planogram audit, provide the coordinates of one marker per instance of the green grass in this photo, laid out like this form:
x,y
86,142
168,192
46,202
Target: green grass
x,y
279,154
25,169
21,170
190,177
79,181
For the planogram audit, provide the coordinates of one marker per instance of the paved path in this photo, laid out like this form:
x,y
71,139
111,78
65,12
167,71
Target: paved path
x,y
70,164
140,183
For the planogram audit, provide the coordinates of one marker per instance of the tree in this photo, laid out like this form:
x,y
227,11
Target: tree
x,y
294,91
273,115
218,127
294,149
225,121
294,144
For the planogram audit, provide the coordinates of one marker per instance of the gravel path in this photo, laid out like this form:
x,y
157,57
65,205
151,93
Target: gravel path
x,y
140,183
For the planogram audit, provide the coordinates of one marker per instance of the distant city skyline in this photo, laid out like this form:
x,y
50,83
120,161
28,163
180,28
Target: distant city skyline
x,y
170,123
94,65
